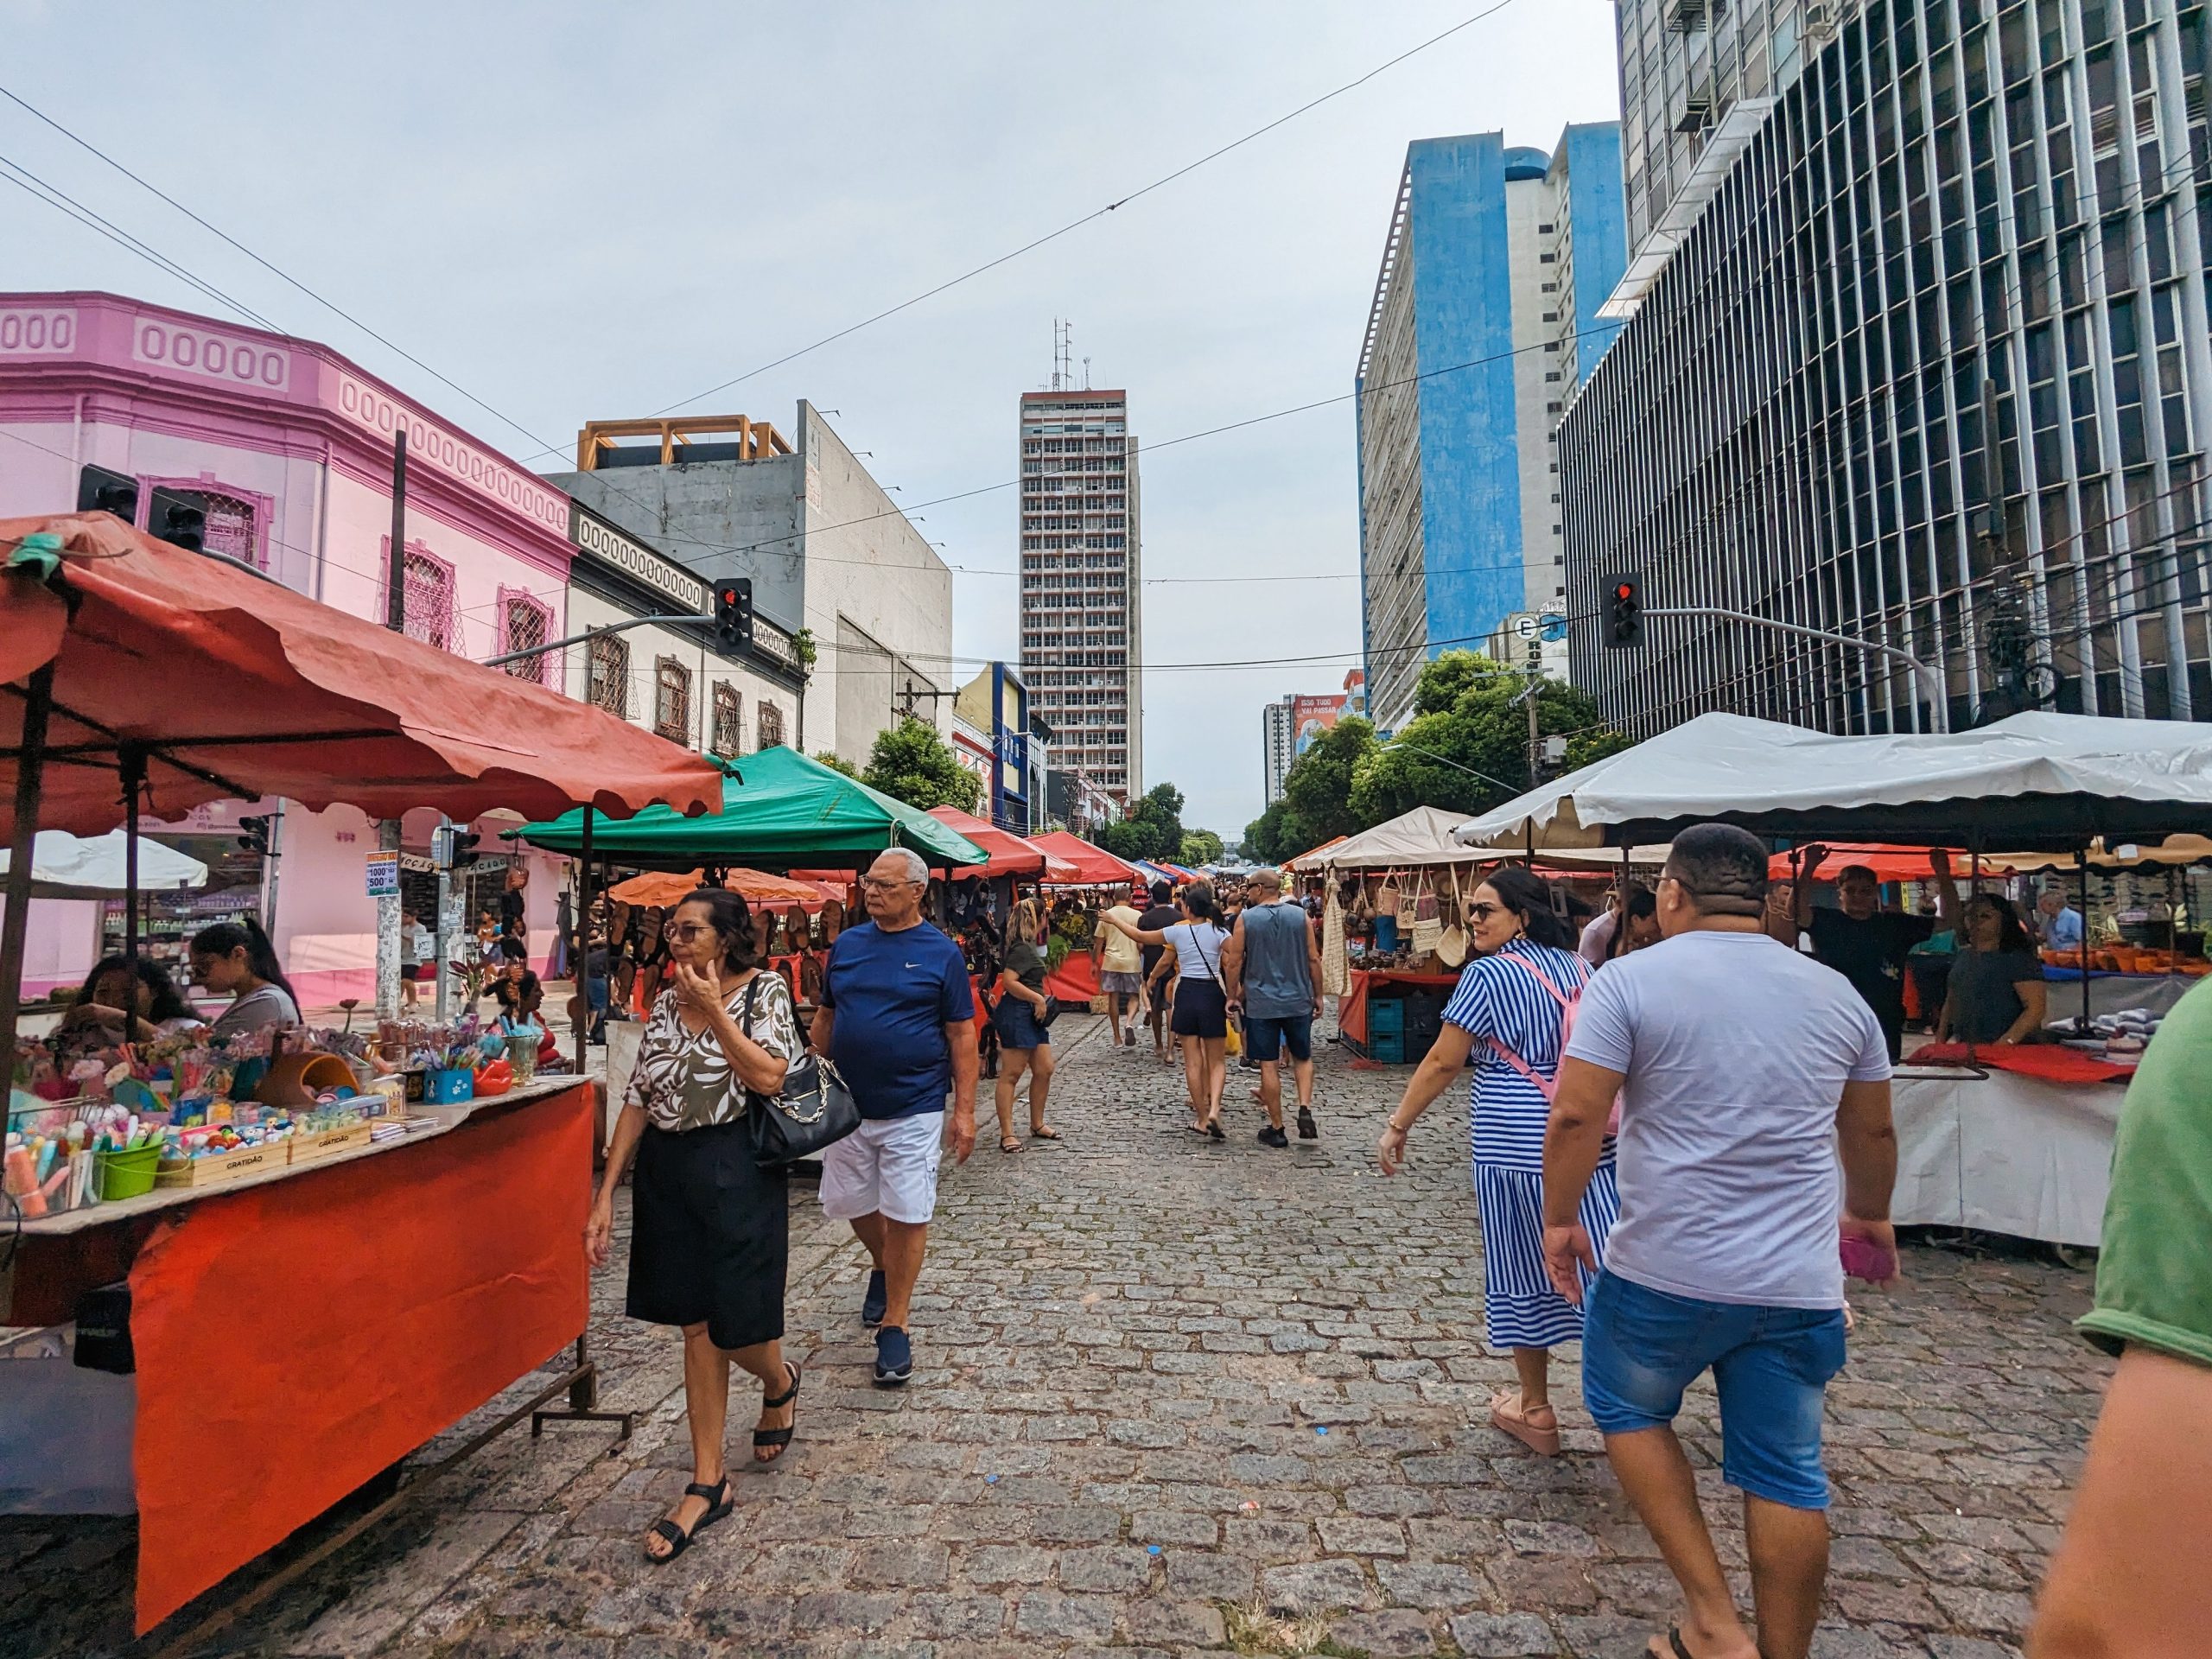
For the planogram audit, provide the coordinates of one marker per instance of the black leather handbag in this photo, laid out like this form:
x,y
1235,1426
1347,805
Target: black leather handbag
x,y
815,1108
1050,1012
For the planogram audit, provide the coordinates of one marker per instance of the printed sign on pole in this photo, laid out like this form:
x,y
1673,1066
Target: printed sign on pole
x,y
383,874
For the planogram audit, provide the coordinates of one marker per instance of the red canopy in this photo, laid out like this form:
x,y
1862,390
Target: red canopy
x,y
233,686
1888,863
1010,854
1093,867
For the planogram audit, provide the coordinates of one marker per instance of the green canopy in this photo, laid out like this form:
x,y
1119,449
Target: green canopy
x,y
780,810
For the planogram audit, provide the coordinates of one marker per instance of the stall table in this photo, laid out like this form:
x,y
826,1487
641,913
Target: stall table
x,y
1351,1007
2003,1151
299,1331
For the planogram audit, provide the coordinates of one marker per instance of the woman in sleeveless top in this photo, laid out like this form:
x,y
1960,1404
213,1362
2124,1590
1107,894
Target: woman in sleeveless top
x,y
1201,1017
1505,1020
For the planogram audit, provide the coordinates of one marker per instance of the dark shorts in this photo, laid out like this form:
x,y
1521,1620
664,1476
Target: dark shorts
x,y
710,1235
1201,1009
412,972
1641,1348
595,990
1016,1024
1265,1037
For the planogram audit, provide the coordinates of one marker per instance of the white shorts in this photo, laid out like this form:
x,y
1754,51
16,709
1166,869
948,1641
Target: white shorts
x,y
887,1167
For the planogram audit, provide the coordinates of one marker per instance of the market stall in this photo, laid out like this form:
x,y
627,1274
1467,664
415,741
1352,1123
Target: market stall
x,y
360,1268
2018,1138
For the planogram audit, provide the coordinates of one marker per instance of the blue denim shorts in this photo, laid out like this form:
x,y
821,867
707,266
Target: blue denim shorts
x,y
1265,1038
1641,1348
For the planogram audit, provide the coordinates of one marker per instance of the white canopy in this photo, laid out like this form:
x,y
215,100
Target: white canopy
x,y
64,865
1420,836
2035,781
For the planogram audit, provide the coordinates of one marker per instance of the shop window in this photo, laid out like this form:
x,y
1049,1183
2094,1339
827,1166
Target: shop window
x,y
525,622
770,720
609,678
729,719
672,701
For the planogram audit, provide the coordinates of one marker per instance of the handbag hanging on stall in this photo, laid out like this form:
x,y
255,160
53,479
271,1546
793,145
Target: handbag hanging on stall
x,y
1427,928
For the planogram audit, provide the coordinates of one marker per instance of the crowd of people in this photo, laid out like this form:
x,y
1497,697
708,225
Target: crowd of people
x,y
1680,1145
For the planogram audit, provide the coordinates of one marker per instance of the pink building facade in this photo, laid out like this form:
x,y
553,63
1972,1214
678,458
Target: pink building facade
x,y
284,449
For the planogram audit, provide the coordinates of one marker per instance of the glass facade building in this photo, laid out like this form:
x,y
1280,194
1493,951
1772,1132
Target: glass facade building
x,y
1953,206
1485,316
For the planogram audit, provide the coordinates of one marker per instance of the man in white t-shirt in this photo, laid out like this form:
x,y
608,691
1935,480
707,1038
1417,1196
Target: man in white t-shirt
x,y
1742,1067
1118,960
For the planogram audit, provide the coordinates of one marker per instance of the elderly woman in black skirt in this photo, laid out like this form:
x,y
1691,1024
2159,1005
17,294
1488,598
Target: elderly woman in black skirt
x,y
707,1240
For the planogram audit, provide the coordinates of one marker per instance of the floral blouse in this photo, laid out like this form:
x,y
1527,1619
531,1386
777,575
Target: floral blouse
x,y
682,1080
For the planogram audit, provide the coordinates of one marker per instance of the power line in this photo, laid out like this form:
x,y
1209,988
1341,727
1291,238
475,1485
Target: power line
x,y
1099,213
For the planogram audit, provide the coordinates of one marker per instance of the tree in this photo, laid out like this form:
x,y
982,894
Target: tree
x,y
1264,837
1316,791
836,762
1200,847
911,763
1466,749
1153,828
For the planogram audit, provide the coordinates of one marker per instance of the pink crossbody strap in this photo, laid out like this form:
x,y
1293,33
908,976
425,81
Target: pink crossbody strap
x,y
1548,1087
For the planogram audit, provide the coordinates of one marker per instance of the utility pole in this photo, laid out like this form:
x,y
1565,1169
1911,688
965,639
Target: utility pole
x,y
395,618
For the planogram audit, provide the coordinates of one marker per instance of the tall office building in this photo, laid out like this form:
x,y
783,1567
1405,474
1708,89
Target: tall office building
x,y
1948,203
1277,734
1081,624
1484,320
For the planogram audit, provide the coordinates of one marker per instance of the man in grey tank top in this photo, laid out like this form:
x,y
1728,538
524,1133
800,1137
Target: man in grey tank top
x,y
1272,967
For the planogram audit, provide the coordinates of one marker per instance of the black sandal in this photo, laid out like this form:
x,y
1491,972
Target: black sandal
x,y
720,1503
777,1438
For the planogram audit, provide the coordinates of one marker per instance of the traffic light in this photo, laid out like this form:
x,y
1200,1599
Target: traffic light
x,y
453,848
1624,612
185,526
734,611
253,835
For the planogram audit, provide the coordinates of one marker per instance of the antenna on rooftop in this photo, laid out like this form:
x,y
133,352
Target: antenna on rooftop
x,y
1063,351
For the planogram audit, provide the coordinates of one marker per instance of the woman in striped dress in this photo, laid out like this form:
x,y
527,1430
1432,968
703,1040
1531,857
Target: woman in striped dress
x,y
1504,1020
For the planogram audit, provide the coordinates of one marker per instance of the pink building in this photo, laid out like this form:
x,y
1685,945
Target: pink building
x,y
283,449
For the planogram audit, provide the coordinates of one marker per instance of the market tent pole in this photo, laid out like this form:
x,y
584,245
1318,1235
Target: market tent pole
x,y
2082,878
584,954
134,783
30,769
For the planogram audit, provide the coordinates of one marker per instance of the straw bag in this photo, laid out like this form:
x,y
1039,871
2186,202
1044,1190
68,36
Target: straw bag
x,y
1452,943
1428,929
1336,969
1387,896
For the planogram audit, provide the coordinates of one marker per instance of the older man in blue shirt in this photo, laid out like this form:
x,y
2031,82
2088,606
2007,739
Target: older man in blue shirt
x,y
899,1017
2058,924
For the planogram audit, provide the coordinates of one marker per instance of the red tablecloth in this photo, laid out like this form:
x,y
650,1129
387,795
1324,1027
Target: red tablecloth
x,y
2051,1062
1075,980
1351,1008
296,1339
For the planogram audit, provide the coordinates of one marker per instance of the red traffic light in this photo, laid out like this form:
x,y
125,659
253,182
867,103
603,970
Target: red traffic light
x,y
1624,590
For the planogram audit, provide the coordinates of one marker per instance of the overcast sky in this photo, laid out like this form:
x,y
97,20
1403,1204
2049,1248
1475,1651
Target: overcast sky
x,y
583,212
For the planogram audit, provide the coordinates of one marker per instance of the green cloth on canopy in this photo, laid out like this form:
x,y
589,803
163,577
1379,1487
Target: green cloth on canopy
x,y
780,810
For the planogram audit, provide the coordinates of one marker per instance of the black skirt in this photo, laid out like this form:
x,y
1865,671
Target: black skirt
x,y
1201,1008
710,1235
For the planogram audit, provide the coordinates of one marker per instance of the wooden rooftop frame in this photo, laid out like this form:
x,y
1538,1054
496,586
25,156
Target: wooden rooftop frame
x,y
756,440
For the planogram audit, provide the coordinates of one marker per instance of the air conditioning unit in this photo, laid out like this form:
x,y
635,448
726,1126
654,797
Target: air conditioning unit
x,y
1822,18
1696,113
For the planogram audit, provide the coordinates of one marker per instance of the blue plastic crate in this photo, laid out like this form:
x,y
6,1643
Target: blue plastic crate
x,y
1389,1050
1387,1015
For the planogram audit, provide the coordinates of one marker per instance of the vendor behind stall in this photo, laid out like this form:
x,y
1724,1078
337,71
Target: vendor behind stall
x,y
141,985
1996,991
1866,944
235,959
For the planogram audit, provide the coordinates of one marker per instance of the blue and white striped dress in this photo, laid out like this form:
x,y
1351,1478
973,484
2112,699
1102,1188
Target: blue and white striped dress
x,y
1507,1113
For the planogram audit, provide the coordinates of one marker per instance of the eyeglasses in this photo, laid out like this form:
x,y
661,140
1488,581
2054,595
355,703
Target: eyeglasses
x,y
686,931
888,884
1484,913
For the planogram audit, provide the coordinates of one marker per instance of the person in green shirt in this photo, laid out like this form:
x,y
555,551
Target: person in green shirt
x,y
2130,1576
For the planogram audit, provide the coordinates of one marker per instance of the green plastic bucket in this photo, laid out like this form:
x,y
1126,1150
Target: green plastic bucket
x,y
125,1174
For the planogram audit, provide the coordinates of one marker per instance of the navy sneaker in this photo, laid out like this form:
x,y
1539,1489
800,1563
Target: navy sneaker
x,y
877,1300
895,1357
1272,1136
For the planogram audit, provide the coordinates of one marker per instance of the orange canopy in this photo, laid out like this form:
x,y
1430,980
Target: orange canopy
x,y
229,685
1093,867
1010,854
1888,863
664,888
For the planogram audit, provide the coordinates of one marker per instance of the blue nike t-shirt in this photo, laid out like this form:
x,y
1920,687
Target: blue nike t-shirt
x,y
894,993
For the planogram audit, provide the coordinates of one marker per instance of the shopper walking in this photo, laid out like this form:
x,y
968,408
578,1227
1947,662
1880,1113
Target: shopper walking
x,y
1023,1038
898,1019
1505,1019
708,1233
1118,960
1742,1068
1201,1016
1272,965
1162,914
2121,1585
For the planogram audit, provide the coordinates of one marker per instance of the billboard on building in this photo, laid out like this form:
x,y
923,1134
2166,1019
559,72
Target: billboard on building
x,y
1311,716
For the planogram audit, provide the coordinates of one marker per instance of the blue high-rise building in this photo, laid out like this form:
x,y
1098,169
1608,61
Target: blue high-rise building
x,y
1484,321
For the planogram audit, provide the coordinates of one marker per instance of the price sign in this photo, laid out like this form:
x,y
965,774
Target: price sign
x,y
383,874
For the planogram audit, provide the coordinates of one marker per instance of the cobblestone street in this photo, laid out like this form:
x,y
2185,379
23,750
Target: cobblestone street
x,y
1176,1396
